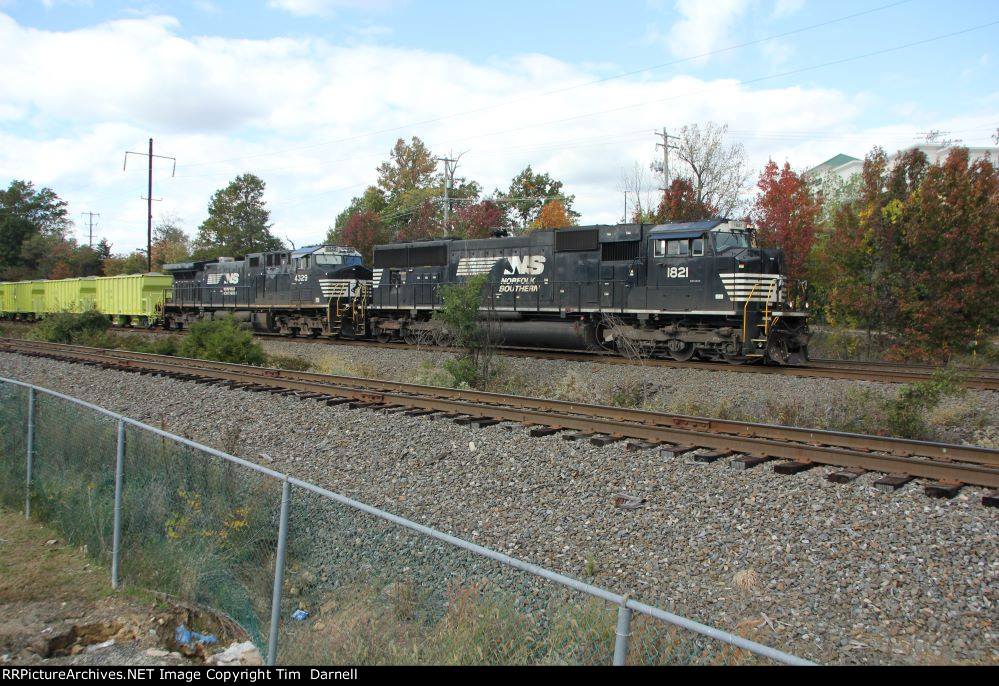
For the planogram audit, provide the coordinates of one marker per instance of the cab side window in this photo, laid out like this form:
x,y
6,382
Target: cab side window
x,y
678,248
697,247
659,249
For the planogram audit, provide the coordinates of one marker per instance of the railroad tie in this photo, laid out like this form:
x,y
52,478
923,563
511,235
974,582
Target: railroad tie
x,y
542,431
991,499
748,461
601,440
669,451
846,475
713,455
794,467
892,482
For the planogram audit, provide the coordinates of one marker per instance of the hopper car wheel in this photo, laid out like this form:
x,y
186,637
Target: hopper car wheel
x,y
734,359
410,338
383,337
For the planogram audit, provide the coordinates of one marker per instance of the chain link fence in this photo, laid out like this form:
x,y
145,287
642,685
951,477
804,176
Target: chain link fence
x,y
312,576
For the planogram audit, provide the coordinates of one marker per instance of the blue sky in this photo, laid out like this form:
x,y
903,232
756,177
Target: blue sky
x,y
311,94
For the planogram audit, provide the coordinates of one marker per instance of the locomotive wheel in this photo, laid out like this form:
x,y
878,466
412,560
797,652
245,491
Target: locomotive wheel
x,y
683,354
734,359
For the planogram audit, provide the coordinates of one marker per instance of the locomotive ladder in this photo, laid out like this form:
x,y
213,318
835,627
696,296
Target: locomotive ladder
x,y
765,324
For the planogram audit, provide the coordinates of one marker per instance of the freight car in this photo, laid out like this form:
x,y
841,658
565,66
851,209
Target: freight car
x,y
128,300
698,289
316,291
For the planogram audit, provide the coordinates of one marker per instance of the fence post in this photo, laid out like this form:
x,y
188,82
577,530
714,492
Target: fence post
x,y
623,633
31,452
119,470
279,574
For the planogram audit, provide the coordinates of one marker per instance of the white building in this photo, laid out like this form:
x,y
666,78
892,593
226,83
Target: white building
x,y
844,166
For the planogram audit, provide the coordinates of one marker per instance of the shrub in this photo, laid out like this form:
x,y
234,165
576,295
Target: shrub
x,y
68,327
222,340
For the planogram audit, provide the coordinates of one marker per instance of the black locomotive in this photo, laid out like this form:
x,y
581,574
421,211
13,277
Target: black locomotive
x,y
700,289
683,290
290,292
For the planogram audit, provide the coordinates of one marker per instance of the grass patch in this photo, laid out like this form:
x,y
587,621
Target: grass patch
x,y
334,365
288,363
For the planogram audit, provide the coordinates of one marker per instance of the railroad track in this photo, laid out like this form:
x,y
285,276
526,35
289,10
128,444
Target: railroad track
x,y
791,450
880,372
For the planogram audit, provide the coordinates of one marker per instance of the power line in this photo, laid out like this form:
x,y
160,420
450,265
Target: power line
x,y
149,217
563,89
91,215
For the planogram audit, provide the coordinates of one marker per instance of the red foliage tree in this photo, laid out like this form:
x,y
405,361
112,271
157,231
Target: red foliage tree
x,y
362,231
784,214
680,204
479,220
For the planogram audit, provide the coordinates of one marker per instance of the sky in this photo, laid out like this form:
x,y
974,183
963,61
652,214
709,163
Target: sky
x,y
311,95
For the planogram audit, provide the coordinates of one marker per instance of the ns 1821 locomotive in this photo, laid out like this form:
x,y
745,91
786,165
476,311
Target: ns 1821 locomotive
x,y
700,289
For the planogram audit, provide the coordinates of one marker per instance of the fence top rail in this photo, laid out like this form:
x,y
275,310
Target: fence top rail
x,y
554,577
152,429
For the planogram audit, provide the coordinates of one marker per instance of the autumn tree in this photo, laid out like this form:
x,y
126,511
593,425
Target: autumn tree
x,y
170,243
479,220
551,216
361,231
785,213
717,172
948,234
238,221
679,203
529,192
918,253
411,166
134,263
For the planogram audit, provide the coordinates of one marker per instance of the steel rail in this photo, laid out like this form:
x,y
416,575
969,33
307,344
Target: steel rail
x,y
977,466
877,372
365,387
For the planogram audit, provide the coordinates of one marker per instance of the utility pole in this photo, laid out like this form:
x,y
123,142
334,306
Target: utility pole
x,y
664,167
149,218
450,166
91,215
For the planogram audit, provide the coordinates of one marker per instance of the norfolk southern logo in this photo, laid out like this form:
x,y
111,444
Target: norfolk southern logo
x,y
229,277
520,275
532,265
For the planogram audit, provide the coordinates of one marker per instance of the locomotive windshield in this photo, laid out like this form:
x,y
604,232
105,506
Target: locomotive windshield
x,y
725,240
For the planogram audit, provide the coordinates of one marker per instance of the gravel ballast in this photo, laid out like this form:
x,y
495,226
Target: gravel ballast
x,y
839,573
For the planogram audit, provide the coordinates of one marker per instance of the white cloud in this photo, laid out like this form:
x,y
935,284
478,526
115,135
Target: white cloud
x,y
705,25
784,8
327,8
314,119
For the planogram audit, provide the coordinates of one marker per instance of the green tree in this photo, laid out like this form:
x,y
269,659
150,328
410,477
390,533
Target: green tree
x,y
477,334
529,192
238,222
33,224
